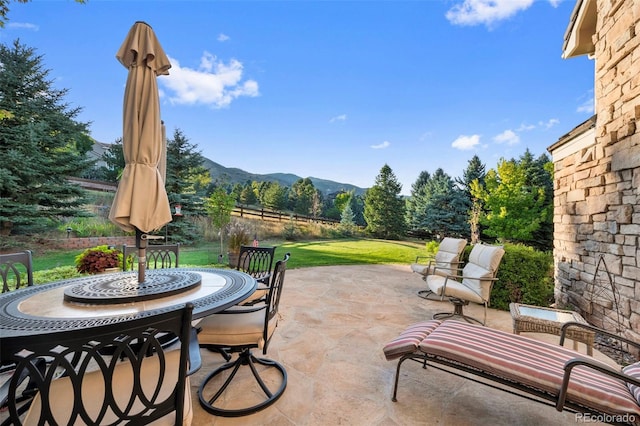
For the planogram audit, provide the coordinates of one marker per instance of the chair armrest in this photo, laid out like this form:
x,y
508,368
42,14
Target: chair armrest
x,y
567,325
418,258
605,369
242,309
195,361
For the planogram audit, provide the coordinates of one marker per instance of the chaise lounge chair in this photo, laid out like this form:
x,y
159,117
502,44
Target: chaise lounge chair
x,y
523,366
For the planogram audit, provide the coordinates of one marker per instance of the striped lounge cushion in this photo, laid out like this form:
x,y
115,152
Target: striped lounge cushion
x,y
531,362
634,371
407,342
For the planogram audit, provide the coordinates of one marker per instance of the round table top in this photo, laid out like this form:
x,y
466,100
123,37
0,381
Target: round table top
x,y
43,310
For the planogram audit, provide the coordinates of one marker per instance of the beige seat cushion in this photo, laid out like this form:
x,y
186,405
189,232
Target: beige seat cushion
x,y
445,260
93,391
477,273
235,329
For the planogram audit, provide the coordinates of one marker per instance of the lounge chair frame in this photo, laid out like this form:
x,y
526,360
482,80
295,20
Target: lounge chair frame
x,y
559,400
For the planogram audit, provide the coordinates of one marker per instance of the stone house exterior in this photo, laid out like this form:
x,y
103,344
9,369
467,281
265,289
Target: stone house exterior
x,y
597,174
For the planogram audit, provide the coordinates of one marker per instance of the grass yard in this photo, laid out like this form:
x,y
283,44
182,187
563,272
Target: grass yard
x,y
48,266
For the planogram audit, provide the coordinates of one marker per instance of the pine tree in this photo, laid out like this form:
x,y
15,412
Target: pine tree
x,y
41,144
347,225
113,157
384,209
186,182
439,208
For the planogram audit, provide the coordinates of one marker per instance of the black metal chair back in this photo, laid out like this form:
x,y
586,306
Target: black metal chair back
x,y
158,256
241,330
12,268
257,262
137,383
273,297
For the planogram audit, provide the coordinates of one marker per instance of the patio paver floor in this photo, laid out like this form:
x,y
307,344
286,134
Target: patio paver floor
x,y
334,322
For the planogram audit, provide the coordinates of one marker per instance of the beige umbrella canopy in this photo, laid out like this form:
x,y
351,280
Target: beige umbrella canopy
x,y
141,202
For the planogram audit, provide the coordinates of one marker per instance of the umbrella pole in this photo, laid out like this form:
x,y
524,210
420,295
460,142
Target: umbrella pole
x,y
141,243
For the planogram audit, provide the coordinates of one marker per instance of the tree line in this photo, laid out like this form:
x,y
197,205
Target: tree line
x,y
513,202
42,143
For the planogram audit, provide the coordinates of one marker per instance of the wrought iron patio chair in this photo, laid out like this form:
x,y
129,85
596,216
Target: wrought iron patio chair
x,y
140,382
158,256
257,262
240,330
13,268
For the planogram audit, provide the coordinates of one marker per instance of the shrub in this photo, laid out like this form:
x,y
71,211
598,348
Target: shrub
x,y
98,259
55,274
84,227
239,234
525,276
289,232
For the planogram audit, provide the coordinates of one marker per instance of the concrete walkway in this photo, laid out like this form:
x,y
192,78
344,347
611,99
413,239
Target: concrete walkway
x,y
334,322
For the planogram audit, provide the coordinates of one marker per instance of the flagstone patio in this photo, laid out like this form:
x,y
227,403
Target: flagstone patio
x,y
334,322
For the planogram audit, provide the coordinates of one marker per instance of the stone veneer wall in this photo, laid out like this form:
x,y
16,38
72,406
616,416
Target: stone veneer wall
x,y
597,190
82,243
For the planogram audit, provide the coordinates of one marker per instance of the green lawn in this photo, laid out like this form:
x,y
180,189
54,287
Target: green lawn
x,y
303,254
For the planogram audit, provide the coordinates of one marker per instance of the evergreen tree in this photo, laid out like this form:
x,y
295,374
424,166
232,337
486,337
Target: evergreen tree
x,y
275,197
539,174
347,225
41,144
114,160
414,210
248,196
384,209
440,208
185,183
301,196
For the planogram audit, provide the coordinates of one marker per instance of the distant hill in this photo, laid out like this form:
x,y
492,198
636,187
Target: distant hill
x,y
234,175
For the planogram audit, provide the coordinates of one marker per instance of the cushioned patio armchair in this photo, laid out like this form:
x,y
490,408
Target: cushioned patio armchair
x,y
445,262
475,284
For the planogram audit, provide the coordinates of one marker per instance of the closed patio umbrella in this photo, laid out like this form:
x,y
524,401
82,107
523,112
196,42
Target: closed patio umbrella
x,y
141,202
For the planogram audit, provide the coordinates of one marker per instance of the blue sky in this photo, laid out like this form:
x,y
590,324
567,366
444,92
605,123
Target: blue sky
x,y
329,89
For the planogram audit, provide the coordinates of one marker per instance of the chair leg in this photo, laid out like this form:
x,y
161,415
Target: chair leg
x,y
458,312
244,358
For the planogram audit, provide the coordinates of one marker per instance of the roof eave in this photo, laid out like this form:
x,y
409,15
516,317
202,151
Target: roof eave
x,y
578,39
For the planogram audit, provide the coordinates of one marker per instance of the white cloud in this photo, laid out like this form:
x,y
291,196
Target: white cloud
x,y
465,143
508,136
214,83
487,12
549,123
223,37
382,145
341,117
525,127
586,107
23,26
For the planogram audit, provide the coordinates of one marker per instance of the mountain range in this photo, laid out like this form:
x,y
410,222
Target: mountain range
x,y
234,175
